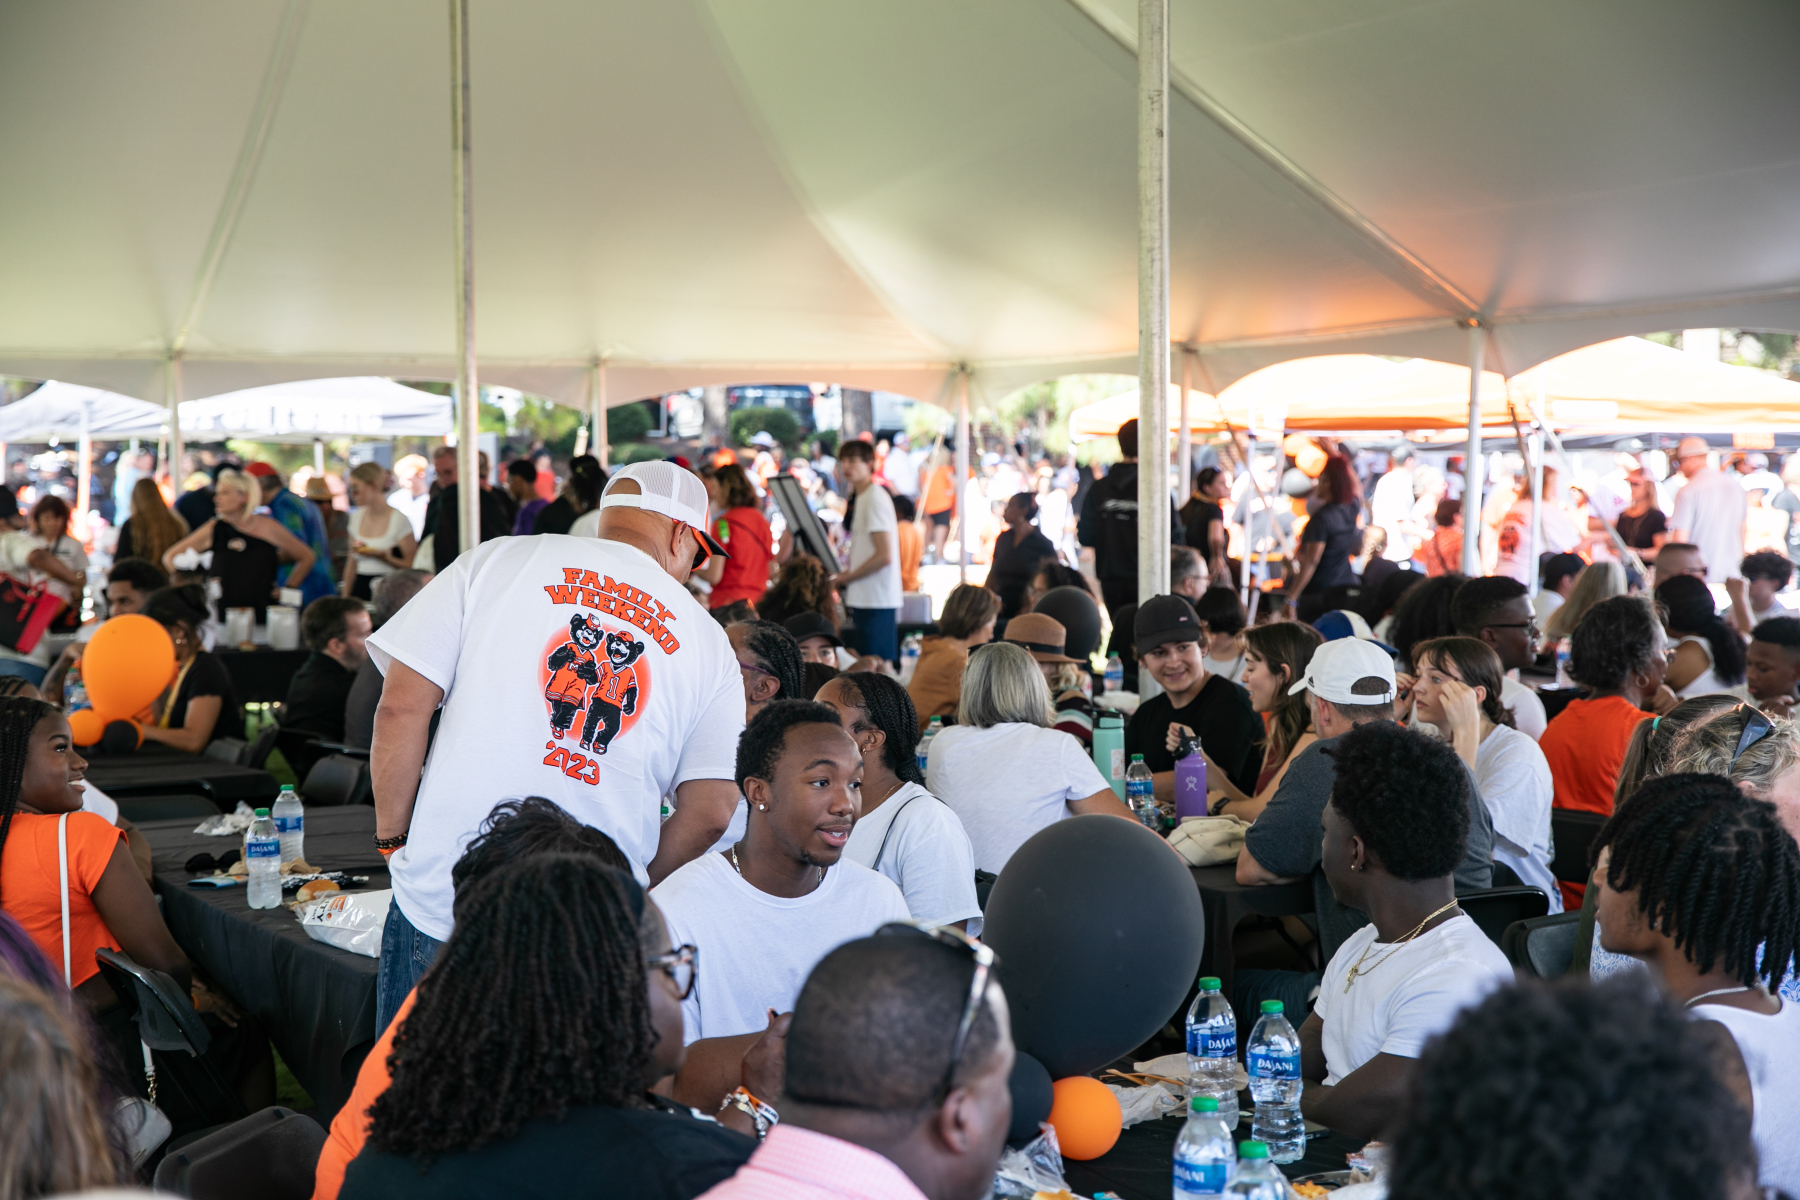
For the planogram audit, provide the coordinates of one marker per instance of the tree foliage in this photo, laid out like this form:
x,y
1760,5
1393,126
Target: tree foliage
x,y
778,423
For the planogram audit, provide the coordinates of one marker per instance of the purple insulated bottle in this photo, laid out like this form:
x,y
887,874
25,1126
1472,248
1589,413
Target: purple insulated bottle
x,y
1190,781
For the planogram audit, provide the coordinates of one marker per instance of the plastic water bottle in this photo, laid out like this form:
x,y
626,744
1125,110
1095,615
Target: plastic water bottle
x,y
262,852
931,731
1256,1177
1140,793
1115,674
909,657
1273,1060
1212,1050
1204,1154
1562,664
290,823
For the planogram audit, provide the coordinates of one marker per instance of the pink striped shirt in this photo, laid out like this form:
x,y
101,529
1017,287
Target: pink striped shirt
x,y
798,1164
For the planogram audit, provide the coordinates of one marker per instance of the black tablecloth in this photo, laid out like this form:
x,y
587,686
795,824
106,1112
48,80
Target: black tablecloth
x,y
154,769
261,675
1141,1165
316,1001
1227,902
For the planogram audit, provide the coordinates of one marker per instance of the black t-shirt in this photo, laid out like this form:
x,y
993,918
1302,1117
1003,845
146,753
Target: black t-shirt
x,y
1640,531
592,1151
1335,525
1014,565
317,696
558,516
208,677
1230,731
443,523
1200,516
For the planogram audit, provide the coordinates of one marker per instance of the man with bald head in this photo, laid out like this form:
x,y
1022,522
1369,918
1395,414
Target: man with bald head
x,y
578,669
1710,511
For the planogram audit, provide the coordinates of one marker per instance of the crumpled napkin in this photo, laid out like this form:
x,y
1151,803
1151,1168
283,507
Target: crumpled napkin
x,y
1148,1103
194,560
237,821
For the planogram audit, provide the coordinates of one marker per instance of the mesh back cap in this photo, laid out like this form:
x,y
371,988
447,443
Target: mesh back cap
x,y
663,488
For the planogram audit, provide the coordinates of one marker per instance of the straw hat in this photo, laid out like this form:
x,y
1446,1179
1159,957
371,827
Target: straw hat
x,y
1042,637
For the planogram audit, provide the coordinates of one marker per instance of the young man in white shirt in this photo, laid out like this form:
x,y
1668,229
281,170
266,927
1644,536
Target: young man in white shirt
x,y
768,908
871,585
1394,832
578,669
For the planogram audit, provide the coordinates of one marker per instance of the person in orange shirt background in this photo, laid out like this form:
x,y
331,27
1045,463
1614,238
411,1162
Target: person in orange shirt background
x,y
939,498
912,542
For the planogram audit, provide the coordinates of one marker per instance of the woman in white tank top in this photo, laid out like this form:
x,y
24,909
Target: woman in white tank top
x,y
381,536
1708,654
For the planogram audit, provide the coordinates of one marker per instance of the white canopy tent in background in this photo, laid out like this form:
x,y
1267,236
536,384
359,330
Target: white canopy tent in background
x,y
60,411
368,407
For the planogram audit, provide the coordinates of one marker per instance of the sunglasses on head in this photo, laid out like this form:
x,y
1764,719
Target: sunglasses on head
x,y
984,957
1756,728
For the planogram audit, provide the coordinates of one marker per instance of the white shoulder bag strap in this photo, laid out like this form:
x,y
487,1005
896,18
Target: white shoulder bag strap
x,y
62,862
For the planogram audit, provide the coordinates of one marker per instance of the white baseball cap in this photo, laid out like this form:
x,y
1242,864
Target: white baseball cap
x,y
664,488
1341,671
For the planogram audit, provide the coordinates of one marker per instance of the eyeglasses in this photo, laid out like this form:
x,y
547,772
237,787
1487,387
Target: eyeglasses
x,y
680,964
985,958
1756,728
760,670
702,552
206,862
1530,626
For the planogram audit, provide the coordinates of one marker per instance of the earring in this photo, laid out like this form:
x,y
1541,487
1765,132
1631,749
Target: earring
x,y
762,808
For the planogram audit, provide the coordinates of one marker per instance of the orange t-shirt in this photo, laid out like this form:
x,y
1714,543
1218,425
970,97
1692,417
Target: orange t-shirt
x,y
912,548
31,889
940,491
350,1128
1585,747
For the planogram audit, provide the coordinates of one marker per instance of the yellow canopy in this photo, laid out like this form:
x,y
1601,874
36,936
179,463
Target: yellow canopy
x,y
1102,418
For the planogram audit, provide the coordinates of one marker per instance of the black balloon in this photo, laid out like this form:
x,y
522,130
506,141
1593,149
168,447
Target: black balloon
x,y
1099,930
120,737
1032,1097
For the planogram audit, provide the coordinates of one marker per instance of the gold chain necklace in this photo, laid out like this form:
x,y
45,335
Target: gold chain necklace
x,y
732,853
1356,968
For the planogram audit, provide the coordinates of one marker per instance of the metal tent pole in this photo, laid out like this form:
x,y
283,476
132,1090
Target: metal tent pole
x,y
602,448
1537,510
468,389
1184,444
1472,460
1153,299
962,475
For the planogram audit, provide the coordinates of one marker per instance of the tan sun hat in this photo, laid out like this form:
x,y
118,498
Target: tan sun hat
x,y
1040,636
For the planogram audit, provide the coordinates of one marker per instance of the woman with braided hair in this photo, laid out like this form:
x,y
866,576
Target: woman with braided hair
x,y
1702,882
525,1063
902,830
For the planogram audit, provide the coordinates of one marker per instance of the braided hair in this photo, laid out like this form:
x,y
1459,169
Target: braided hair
x,y
780,653
888,708
1714,869
18,717
553,942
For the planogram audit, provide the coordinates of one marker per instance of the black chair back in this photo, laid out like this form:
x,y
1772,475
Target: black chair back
x,y
300,748
270,1155
1496,908
258,752
226,749
1542,947
1505,876
167,1023
1571,833
138,809
336,780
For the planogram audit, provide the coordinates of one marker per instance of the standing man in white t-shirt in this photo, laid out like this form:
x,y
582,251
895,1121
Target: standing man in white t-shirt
x,y
578,669
1395,829
871,587
1710,511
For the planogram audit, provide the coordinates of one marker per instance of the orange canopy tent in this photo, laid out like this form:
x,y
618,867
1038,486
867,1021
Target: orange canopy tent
x,y
1102,418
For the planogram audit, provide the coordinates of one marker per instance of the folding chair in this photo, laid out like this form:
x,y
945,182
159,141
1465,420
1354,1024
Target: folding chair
x,y
1571,833
270,1155
1496,908
166,1021
258,751
226,749
1542,947
1505,876
337,779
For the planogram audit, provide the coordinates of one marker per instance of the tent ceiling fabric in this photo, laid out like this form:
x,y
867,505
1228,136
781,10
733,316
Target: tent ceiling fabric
x,y
705,192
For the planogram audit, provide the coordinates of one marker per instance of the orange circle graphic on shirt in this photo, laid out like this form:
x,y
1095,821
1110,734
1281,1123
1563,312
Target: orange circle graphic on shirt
x,y
612,681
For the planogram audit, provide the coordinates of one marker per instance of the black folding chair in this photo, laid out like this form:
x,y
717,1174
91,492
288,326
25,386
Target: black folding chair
x,y
167,1022
337,779
270,1155
258,751
300,748
1505,876
226,749
1496,908
1572,831
1542,947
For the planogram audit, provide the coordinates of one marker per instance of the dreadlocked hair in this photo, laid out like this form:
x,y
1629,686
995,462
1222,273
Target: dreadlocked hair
x,y
1714,869
19,715
890,710
552,942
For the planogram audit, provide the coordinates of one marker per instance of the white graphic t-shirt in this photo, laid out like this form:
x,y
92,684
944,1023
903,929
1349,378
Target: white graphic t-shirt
x,y
574,669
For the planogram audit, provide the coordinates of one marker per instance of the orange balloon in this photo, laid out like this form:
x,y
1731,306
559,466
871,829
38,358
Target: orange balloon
x,y
127,665
86,726
1086,1117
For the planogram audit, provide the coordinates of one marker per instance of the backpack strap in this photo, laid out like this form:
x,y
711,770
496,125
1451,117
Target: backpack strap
x,y
890,831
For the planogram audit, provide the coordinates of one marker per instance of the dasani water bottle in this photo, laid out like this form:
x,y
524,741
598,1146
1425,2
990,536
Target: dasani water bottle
x,y
262,853
1115,674
1212,1050
931,731
290,823
1273,1060
1204,1154
1256,1177
1140,793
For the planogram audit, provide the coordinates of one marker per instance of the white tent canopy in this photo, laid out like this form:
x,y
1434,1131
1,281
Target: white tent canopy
x,y
366,407
696,191
56,410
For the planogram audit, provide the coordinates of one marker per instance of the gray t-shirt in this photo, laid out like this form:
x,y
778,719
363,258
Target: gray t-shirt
x,y
1286,839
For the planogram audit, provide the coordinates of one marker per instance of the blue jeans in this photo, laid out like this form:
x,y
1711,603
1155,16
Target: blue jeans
x,y
877,632
405,954
30,672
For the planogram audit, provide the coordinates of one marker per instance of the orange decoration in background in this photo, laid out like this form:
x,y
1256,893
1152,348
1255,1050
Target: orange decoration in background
x,y
126,666
1086,1117
86,726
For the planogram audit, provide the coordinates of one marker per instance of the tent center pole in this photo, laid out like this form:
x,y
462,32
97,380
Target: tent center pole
x,y
468,389
1153,305
602,448
1184,442
962,475
1473,463
1537,510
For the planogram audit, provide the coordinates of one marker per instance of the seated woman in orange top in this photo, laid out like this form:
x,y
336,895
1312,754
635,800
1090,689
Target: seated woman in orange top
x,y
967,622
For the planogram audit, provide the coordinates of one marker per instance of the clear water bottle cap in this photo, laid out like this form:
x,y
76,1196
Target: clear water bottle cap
x,y
1253,1150
262,812
1204,1104
1210,983
1272,1006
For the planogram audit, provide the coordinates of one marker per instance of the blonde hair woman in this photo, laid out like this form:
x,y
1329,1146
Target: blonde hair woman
x,y
152,526
1597,581
967,622
247,548
1003,770
381,536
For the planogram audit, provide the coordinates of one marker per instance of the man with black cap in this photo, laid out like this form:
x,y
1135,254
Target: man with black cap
x,y
1169,644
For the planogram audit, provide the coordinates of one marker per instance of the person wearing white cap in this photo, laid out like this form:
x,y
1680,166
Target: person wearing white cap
x,y
578,669
1710,511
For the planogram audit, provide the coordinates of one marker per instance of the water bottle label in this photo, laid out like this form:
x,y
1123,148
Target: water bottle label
x,y
264,848
1264,1065
289,824
1140,789
1213,1043
1199,1178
